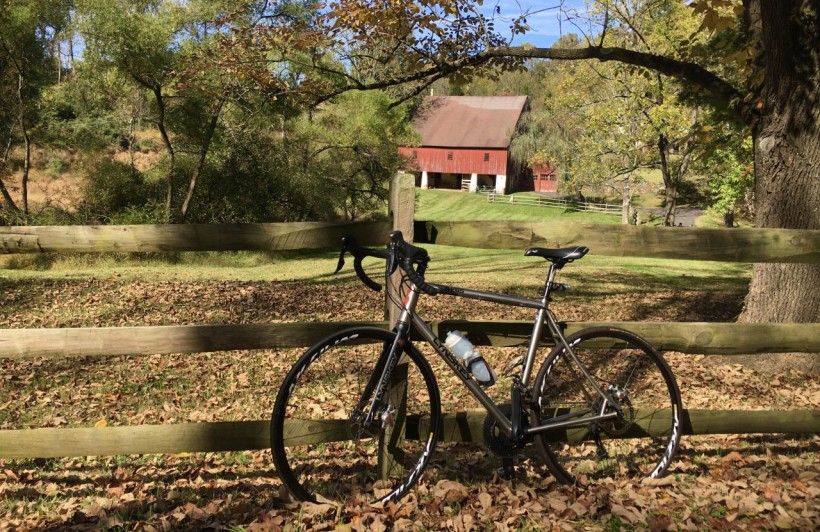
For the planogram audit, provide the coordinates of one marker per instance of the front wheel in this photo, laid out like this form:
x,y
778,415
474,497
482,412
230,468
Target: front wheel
x,y
640,440
322,445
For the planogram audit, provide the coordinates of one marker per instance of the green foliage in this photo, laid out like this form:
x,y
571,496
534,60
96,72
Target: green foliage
x,y
91,111
349,150
55,164
731,177
330,164
136,36
112,188
26,68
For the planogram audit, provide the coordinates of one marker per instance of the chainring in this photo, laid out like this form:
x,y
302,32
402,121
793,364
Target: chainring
x,y
494,436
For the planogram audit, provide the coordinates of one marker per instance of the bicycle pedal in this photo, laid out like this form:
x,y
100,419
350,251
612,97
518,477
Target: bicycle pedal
x,y
507,469
600,451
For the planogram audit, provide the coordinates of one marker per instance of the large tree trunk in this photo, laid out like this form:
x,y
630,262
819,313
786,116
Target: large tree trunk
x,y
787,159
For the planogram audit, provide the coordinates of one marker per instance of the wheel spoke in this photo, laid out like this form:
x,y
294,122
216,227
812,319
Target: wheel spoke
x,y
319,446
636,378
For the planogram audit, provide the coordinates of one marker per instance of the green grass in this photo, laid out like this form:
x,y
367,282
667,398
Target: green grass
x,y
491,268
455,205
494,269
713,219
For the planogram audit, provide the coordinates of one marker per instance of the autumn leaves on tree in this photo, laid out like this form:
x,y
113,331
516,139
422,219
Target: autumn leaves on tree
x,y
685,83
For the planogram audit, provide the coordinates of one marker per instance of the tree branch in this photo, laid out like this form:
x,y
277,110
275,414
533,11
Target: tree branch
x,y
717,88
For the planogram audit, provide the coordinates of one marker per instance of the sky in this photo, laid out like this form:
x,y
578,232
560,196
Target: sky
x,y
548,18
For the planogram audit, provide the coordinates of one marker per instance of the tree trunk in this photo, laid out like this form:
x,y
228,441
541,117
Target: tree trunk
x,y
163,131
131,141
57,59
8,202
669,182
626,200
26,170
203,153
71,51
26,144
787,159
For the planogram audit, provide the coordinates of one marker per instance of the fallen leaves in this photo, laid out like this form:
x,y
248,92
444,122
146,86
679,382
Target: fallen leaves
x,y
716,482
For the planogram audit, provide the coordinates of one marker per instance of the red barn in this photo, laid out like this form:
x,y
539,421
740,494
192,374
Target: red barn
x,y
465,142
544,178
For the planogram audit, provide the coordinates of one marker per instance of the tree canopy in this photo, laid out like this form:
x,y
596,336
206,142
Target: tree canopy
x,y
255,102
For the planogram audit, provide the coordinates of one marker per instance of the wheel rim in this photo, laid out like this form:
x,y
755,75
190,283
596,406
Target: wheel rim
x,y
317,402
639,381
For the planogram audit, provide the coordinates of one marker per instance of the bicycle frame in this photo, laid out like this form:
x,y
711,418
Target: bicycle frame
x,y
544,316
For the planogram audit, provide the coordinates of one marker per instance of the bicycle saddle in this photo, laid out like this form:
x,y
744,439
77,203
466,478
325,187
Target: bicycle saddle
x,y
559,256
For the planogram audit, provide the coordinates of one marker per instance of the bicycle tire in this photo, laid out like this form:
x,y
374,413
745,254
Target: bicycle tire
x,y
650,404
349,466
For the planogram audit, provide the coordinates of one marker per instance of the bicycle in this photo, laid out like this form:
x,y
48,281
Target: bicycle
x,y
359,413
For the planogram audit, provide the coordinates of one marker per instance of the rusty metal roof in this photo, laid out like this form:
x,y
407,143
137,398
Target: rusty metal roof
x,y
468,121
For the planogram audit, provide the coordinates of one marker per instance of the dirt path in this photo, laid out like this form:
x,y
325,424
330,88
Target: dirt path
x,y
685,216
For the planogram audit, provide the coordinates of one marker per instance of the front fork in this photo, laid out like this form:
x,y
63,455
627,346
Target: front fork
x,y
389,359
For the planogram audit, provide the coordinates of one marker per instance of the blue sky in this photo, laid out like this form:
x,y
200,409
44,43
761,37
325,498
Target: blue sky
x,y
548,19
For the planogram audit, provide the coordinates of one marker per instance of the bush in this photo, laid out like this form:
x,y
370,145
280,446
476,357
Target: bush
x,y
112,189
153,213
56,165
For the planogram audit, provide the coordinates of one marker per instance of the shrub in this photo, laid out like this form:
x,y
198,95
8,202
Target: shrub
x,y
112,188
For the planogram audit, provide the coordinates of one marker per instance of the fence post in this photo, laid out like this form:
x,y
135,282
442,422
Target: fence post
x,y
401,207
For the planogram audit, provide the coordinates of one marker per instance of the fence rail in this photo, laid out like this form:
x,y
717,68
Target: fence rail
x,y
728,245
685,337
543,201
743,245
731,245
193,237
249,435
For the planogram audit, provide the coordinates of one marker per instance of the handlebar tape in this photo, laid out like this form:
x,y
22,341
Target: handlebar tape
x,y
400,254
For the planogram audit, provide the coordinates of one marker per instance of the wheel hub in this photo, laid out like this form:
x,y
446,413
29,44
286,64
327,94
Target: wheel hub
x,y
618,425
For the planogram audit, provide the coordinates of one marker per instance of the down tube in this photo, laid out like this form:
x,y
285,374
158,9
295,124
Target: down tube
x,y
462,373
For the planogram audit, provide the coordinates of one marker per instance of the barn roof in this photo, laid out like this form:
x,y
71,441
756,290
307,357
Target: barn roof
x,y
468,121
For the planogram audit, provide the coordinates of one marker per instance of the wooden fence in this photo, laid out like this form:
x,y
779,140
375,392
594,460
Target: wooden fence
x,y
544,201
743,245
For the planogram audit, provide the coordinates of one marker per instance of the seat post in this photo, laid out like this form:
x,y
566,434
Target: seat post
x,y
548,283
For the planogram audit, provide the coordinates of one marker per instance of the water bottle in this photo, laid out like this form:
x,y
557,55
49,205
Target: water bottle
x,y
472,359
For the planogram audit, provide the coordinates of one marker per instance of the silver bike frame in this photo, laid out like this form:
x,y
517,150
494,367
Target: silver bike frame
x,y
543,316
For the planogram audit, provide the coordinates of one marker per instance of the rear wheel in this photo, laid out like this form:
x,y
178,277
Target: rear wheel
x,y
640,440
321,447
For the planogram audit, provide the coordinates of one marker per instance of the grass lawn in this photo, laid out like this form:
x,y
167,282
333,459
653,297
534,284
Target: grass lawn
x,y
455,205
491,268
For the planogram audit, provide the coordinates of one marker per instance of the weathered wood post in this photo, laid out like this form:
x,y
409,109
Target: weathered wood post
x,y
401,209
